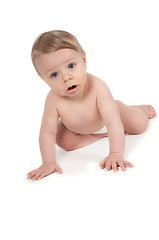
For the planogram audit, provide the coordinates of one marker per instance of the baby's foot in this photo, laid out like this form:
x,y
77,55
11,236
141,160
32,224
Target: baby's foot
x,y
149,110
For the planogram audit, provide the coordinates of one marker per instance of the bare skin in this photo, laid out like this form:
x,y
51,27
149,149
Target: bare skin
x,y
82,113
82,140
148,109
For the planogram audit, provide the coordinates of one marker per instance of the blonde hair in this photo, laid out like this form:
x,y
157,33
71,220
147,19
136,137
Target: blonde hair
x,y
53,41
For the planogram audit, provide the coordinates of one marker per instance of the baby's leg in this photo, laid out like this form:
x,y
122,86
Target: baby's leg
x,y
68,140
135,118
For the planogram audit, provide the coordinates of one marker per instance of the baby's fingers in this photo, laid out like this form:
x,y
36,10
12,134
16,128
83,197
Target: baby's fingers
x,y
102,164
42,175
122,165
108,166
31,174
114,166
59,170
36,175
46,173
128,164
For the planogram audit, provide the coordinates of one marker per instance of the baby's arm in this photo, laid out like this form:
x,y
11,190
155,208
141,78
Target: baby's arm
x,y
47,142
111,117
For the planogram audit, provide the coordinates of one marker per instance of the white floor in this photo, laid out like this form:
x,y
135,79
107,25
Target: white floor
x,y
85,202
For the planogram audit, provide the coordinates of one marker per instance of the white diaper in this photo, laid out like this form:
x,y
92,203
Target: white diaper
x,y
103,130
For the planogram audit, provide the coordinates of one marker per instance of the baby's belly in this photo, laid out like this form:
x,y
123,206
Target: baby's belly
x,y
85,128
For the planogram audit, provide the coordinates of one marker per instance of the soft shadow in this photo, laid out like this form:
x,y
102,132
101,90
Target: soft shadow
x,y
80,160
133,141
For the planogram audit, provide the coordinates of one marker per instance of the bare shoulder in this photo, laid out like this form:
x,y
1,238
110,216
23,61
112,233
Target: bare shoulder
x,y
51,103
51,100
100,86
105,101
50,97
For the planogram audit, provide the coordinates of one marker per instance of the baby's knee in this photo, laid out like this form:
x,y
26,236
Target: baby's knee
x,y
141,126
63,140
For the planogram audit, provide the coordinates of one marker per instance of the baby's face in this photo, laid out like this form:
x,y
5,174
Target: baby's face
x,y
62,69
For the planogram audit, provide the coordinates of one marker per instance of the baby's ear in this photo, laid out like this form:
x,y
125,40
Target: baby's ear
x,y
84,57
40,76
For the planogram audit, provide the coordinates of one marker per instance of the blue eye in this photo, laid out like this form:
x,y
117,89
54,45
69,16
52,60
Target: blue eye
x,y
54,75
71,65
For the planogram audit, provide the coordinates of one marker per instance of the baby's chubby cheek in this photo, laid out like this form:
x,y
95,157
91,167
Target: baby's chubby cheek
x,y
58,90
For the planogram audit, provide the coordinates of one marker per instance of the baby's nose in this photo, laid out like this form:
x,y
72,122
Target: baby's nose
x,y
67,78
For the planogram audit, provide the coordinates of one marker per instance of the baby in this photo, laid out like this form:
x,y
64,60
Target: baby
x,y
78,105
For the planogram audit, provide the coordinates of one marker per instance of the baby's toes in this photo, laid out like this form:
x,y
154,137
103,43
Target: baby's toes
x,y
152,112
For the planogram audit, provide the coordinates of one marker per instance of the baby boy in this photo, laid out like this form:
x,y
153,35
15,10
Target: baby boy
x,y
78,105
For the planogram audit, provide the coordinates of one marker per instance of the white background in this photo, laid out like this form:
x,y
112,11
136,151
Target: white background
x,y
121,40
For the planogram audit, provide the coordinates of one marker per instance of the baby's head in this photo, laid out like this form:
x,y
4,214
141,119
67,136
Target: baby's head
x,y
53,41
58,55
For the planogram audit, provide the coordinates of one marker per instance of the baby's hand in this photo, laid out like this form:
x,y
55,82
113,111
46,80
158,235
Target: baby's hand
x,y
113,161
44,170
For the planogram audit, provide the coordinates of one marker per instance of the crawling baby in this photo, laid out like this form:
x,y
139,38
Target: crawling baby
x,y
79,105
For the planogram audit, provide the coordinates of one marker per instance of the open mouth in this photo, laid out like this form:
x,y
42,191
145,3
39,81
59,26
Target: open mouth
x,y
70,88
